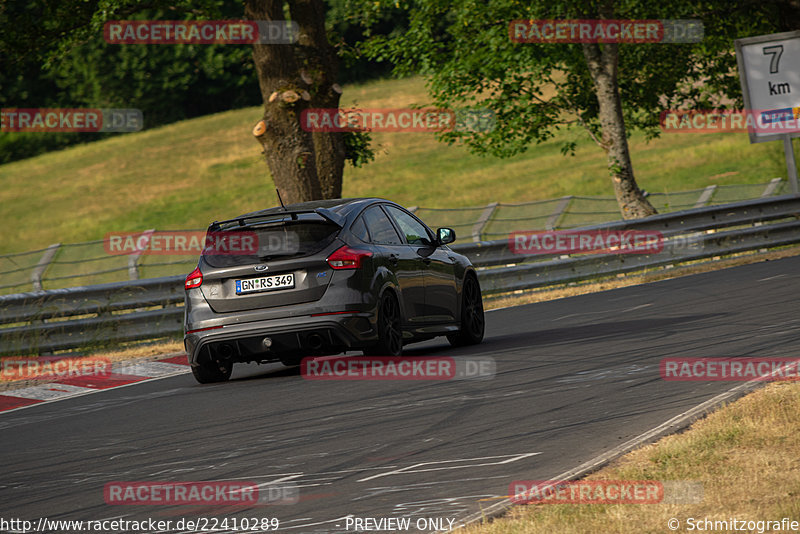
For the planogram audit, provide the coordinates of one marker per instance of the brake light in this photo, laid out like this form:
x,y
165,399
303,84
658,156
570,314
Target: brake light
x,y
195,279
203,329
332,313
347,258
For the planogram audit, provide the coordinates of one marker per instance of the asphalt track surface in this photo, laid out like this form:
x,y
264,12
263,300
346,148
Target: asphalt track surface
x,y
575,378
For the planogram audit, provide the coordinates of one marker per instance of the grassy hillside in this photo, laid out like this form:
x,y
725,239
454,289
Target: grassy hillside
x,y
186,174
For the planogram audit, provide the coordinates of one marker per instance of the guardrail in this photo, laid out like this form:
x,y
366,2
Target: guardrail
x,y
46,321
105,314
69,264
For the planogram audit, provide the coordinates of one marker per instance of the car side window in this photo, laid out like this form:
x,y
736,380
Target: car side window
x,y
359,229
415,232
380,227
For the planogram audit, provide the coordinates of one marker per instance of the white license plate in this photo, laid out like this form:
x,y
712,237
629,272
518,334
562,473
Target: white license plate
x,y
264,283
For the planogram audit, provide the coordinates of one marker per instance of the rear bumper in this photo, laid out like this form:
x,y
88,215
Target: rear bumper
x,y
289,338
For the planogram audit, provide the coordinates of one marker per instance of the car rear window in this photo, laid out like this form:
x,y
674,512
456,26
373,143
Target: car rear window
x,y
249,244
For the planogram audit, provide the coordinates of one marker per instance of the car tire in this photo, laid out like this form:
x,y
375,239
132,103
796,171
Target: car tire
x,y
212,371
472,319
390,335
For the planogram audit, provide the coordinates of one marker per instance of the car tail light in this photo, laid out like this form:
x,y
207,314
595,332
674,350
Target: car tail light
x,y
195,279
347,258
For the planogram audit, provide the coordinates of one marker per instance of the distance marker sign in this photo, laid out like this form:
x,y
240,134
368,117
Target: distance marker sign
x,y
769,70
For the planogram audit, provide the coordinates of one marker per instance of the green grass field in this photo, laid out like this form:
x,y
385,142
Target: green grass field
x,y
187,174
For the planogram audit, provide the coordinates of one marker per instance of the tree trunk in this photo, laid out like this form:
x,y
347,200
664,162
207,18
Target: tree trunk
x,y
603,67
304,165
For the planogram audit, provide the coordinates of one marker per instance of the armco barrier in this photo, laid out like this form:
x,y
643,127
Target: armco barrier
x,y
71,264
44,321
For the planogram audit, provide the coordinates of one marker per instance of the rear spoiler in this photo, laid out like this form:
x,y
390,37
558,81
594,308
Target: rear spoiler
x,y
326,214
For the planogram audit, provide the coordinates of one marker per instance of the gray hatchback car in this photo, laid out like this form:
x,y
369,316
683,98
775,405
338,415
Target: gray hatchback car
x,y
325,277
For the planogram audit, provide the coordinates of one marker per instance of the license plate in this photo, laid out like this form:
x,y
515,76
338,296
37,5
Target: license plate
x,y
264,283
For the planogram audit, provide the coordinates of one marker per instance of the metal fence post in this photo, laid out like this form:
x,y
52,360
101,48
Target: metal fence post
x,y
479,225
562,205
772,186
41,267
133,259
705,196
791,164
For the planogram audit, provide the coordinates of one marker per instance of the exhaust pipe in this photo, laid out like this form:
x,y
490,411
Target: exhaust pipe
x,y
314,341
225,352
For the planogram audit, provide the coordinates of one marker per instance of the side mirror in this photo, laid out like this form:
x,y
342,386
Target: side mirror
x,y
445,235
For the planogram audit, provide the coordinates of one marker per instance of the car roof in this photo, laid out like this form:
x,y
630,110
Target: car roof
x,y
343,207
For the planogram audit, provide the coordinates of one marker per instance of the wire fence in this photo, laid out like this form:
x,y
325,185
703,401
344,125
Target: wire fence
x,y
78,264
497,220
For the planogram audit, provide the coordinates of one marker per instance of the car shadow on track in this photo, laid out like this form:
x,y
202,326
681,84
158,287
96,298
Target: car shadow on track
x,y
624,330
524,339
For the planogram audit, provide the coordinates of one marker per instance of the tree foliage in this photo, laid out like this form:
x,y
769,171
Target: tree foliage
x,y
52,54
463,49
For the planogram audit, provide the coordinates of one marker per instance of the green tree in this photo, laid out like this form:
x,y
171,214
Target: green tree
x,y
58,41
167,83
463,49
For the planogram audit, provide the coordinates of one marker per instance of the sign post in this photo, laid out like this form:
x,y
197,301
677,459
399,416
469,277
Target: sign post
x,y
791,166
769,71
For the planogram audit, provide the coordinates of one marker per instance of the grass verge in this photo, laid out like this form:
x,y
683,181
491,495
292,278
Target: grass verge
x,y
745,455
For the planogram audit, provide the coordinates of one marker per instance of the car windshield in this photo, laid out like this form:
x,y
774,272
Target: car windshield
x,y
253,244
